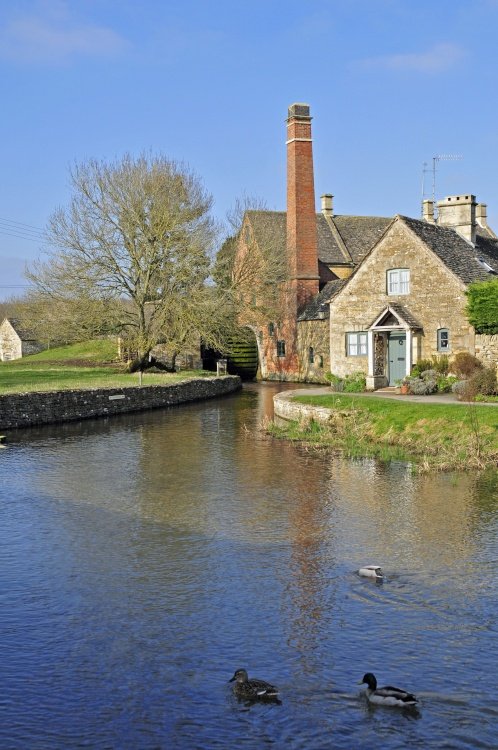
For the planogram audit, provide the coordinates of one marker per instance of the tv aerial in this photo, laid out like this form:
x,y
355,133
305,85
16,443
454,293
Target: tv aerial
x,y
435,162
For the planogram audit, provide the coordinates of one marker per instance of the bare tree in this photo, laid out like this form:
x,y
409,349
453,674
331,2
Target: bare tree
x,y
135,243
252,262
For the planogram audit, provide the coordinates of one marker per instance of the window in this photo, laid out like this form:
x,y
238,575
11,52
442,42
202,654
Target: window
x,y
398,281
356,344
271,329
311,355
443,340
280,348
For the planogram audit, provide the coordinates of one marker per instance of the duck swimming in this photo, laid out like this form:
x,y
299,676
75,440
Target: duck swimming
x,y
252,689
371,571
388,695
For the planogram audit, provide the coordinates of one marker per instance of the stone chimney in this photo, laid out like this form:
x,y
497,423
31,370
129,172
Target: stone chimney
x,y
459,212
482,215
302,243
327,204
428,211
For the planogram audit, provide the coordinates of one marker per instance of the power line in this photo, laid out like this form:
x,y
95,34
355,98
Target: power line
x,y
21,223
22,236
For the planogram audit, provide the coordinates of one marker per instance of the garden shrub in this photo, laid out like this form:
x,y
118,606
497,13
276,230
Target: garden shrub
x,y
335,381
444,384
356,382
484,381
420,367
482,306
458,388
422,386
464,364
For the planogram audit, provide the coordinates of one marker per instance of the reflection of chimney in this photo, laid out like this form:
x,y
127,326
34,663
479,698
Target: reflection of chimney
x,y
459,212
428,211
302,243
327,205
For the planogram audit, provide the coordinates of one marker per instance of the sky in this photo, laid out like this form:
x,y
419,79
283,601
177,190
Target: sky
x,y
392,84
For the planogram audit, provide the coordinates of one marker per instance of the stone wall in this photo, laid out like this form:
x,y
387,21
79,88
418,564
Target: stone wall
x,y
486,346
27,409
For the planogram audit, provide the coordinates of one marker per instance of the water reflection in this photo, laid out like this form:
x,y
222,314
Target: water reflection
x,y
143,559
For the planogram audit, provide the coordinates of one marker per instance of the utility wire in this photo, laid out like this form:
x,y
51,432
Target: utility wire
x,y
21,224
22,236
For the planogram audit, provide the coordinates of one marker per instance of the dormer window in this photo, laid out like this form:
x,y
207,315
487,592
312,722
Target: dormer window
x,y
486,265
398,281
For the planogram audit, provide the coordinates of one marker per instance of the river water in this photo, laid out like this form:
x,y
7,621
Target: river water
x,y
145,558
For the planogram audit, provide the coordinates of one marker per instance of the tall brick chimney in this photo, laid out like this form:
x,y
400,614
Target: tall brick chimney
x,y
302,243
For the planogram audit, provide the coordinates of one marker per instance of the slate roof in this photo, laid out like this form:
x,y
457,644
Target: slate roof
x,y
401,312
318,308
24,333
465,261
355,234
346,240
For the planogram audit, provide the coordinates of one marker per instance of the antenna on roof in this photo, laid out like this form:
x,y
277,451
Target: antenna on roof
x,y
425,169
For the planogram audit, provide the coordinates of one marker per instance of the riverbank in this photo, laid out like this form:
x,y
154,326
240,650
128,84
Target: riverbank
x,y
440,435
19,410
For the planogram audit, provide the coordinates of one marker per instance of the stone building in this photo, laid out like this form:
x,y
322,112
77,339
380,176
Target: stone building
x,y
370,294
16,341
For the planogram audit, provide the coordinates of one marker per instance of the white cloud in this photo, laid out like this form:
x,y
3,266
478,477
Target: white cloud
x,y
438,59
50,35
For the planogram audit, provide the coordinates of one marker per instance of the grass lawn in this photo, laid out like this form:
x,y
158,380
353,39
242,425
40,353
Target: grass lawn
x,y
435,435
91,364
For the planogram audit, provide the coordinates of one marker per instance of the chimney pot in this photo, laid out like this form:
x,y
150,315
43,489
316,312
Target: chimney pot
x,y
327,204
428,211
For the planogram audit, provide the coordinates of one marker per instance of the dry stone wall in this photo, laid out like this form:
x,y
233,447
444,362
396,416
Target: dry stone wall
x,y
28,409
487,349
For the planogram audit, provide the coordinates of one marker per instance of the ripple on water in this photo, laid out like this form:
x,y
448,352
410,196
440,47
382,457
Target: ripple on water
x,y
144,559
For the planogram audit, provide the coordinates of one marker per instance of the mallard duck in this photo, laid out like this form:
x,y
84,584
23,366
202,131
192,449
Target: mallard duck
x,y
371,571
388,695
252,689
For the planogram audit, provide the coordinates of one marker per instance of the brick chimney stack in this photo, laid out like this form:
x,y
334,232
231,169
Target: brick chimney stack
x,y
302,243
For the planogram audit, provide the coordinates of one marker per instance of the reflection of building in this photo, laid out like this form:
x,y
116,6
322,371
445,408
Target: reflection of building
x,y
364,293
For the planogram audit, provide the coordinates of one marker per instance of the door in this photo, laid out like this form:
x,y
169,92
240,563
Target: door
x,y
396,355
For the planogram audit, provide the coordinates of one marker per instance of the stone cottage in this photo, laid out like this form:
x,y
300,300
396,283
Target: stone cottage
x,y
16,341
366,293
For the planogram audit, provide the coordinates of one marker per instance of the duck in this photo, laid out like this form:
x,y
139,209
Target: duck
x,y
252,688
371,571
387,695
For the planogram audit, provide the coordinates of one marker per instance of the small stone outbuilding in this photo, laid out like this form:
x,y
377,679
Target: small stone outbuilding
x,y
16,341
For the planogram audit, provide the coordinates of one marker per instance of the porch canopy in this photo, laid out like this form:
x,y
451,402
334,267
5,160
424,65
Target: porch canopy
x,y
390,346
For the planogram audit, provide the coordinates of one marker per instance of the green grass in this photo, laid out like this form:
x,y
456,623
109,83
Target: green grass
x,y
435,436
94,351
91,364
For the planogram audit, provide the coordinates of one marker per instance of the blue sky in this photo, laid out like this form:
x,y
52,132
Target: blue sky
x,y
391,84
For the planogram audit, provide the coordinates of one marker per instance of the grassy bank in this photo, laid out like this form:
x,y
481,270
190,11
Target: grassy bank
x,y
92,364
434,436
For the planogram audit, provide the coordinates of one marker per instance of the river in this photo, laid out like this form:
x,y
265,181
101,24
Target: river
x,y
145,558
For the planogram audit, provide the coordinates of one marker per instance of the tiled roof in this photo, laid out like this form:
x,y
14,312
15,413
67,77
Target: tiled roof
x,y
464,260
318,308
358,234
24,333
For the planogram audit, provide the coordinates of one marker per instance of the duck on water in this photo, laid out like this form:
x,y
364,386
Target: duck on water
x,y
387,695
252,689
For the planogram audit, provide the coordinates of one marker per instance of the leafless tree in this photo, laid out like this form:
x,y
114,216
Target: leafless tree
x,y
134,245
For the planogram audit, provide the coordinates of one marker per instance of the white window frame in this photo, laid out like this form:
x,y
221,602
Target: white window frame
x,y
357,344
398,281
446,348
